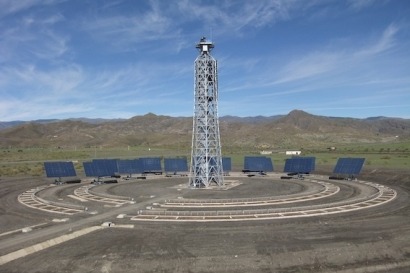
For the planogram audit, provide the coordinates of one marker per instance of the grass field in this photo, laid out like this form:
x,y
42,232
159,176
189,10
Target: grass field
x,y
29,161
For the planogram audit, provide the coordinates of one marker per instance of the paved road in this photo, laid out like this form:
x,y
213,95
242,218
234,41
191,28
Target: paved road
x,y
52,230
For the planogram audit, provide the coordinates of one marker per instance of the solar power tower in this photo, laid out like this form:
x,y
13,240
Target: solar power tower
x,y
206,159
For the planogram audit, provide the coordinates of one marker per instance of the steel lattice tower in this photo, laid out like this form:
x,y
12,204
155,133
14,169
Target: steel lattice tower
x,y
206,158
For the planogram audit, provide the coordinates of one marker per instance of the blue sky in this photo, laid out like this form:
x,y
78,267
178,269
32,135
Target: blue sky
x,y
118,59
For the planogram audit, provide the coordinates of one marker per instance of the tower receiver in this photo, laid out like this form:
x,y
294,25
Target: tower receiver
x,y
206,159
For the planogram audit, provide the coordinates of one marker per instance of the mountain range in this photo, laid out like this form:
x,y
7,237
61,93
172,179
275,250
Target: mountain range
x,y
296,130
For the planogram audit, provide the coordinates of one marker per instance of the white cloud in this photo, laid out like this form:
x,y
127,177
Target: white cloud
x,y
8,7
385,42
335,67
336,59
164,21
361,4
309,66
73,91
102,59
56,81
32,38
228,16
127,30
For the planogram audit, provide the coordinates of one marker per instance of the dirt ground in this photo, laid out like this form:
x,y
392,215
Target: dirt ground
x,y
370,240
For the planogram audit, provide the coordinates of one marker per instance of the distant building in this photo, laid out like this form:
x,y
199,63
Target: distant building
x,y
293,152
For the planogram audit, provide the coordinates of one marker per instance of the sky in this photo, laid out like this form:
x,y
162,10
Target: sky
x,y
118,59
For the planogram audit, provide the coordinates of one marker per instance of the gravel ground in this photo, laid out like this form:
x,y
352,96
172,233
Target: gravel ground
x,y
371,240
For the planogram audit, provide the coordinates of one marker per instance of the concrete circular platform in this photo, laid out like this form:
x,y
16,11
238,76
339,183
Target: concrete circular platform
x,y
240,199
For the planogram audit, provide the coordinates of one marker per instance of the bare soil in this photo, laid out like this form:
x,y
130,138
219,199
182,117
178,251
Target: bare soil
x,y
371,240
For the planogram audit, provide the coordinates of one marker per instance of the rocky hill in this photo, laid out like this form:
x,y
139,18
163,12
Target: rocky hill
x,y
296,130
